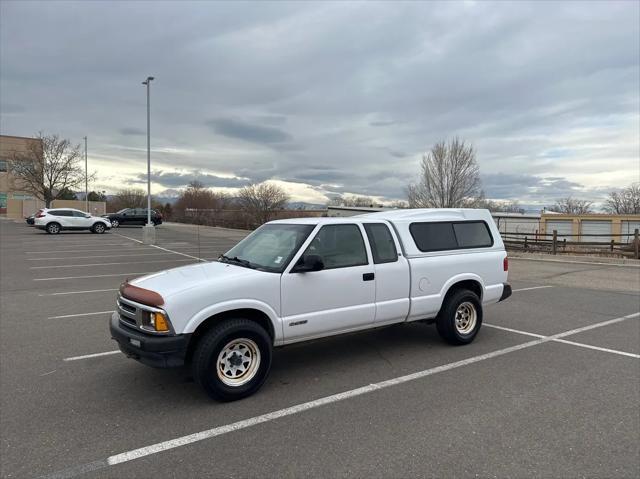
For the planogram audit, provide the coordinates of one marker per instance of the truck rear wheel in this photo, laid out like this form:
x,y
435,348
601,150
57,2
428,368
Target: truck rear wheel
x,y
460,318
233,359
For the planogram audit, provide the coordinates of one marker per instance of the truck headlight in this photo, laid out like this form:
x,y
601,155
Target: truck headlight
x,y
156,321
159,322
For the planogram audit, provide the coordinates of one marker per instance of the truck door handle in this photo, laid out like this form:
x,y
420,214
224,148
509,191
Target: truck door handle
x,y
368,276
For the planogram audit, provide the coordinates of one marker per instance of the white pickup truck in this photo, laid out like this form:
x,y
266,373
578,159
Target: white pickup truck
x,y
301,279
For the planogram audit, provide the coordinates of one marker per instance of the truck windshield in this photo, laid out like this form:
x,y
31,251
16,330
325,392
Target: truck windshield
x,y
269,248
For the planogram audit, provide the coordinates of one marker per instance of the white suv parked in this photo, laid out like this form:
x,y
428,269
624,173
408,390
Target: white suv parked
x,y
301,279
55,220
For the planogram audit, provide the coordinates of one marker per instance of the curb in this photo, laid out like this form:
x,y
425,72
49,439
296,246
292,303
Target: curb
x,y
624,262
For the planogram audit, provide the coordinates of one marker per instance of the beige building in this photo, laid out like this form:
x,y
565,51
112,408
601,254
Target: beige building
x,y
15,201
591,227
12,147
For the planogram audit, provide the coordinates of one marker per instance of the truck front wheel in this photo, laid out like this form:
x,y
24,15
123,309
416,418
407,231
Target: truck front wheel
x,y
232,360
460,318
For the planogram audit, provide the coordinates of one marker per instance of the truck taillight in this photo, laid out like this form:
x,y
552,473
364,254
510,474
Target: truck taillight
x,y
505,263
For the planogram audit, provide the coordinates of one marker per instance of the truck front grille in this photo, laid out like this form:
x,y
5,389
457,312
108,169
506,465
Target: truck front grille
x,y
128,313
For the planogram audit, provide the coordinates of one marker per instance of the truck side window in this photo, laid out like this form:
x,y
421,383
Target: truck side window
x,y
382,245
433,236
340,246
451,235
472,234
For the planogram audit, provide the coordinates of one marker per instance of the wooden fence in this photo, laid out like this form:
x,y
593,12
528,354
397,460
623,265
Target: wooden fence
x,y
549,243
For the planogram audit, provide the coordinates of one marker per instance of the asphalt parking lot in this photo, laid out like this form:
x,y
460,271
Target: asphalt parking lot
x,y
550,387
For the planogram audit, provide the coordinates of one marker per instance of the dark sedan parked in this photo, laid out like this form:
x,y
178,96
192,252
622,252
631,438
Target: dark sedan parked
x,y
31,220
133,216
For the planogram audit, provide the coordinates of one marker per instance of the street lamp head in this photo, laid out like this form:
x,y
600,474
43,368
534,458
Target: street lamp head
x,y
146,82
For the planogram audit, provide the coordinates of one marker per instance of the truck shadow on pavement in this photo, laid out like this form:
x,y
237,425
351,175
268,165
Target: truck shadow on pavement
x,y
322,365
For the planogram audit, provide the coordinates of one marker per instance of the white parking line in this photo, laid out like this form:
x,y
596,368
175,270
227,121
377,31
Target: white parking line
x,y
107,264
556,338
78,292
299,408
533,287
598,348
99,256
67,243
76,250
79,314
502,328
96,355
161,248
94,276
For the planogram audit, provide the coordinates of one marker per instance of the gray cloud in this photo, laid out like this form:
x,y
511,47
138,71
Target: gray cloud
x,y
246,131
11,108
546,91
130,131
532,189
382,123
172,180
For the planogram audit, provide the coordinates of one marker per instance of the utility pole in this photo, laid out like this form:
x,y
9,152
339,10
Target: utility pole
x,y
149,232
86,178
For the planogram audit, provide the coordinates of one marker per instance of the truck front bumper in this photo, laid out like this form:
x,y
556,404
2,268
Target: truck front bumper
x,y
506,291
154,351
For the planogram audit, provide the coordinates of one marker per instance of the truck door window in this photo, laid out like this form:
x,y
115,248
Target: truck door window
x,y
472,234
382,245
339,246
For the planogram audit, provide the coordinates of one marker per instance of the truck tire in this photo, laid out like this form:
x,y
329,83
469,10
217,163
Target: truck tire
x,y
53,228
460,318
232,360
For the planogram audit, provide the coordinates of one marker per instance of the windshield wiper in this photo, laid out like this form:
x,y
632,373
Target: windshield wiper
x,y
240,261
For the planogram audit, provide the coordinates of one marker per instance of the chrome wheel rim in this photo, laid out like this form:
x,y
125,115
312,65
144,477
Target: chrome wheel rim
x,y
99,228
238,362
54,228
466,318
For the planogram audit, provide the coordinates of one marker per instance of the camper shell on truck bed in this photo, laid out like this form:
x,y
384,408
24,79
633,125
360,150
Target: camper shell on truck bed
x,y
305,278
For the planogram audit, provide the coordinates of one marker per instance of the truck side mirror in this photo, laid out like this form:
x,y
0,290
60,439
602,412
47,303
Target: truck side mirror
x,y
308,263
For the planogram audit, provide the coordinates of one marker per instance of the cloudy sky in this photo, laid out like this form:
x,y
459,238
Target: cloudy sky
x,y
332,97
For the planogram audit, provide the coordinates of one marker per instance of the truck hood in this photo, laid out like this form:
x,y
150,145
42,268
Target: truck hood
x,y
172,281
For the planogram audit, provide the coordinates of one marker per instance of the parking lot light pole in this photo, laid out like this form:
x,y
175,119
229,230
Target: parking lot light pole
x,y
86,178
148,233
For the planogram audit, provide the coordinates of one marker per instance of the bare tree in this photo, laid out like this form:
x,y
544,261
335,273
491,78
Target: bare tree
x,y
625,202
97,196
128,198
399,204
572,206
450,178
197,196
353,201
503,207
49,169
260,201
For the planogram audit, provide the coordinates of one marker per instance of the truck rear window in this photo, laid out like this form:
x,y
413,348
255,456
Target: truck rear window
x,y
451,235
